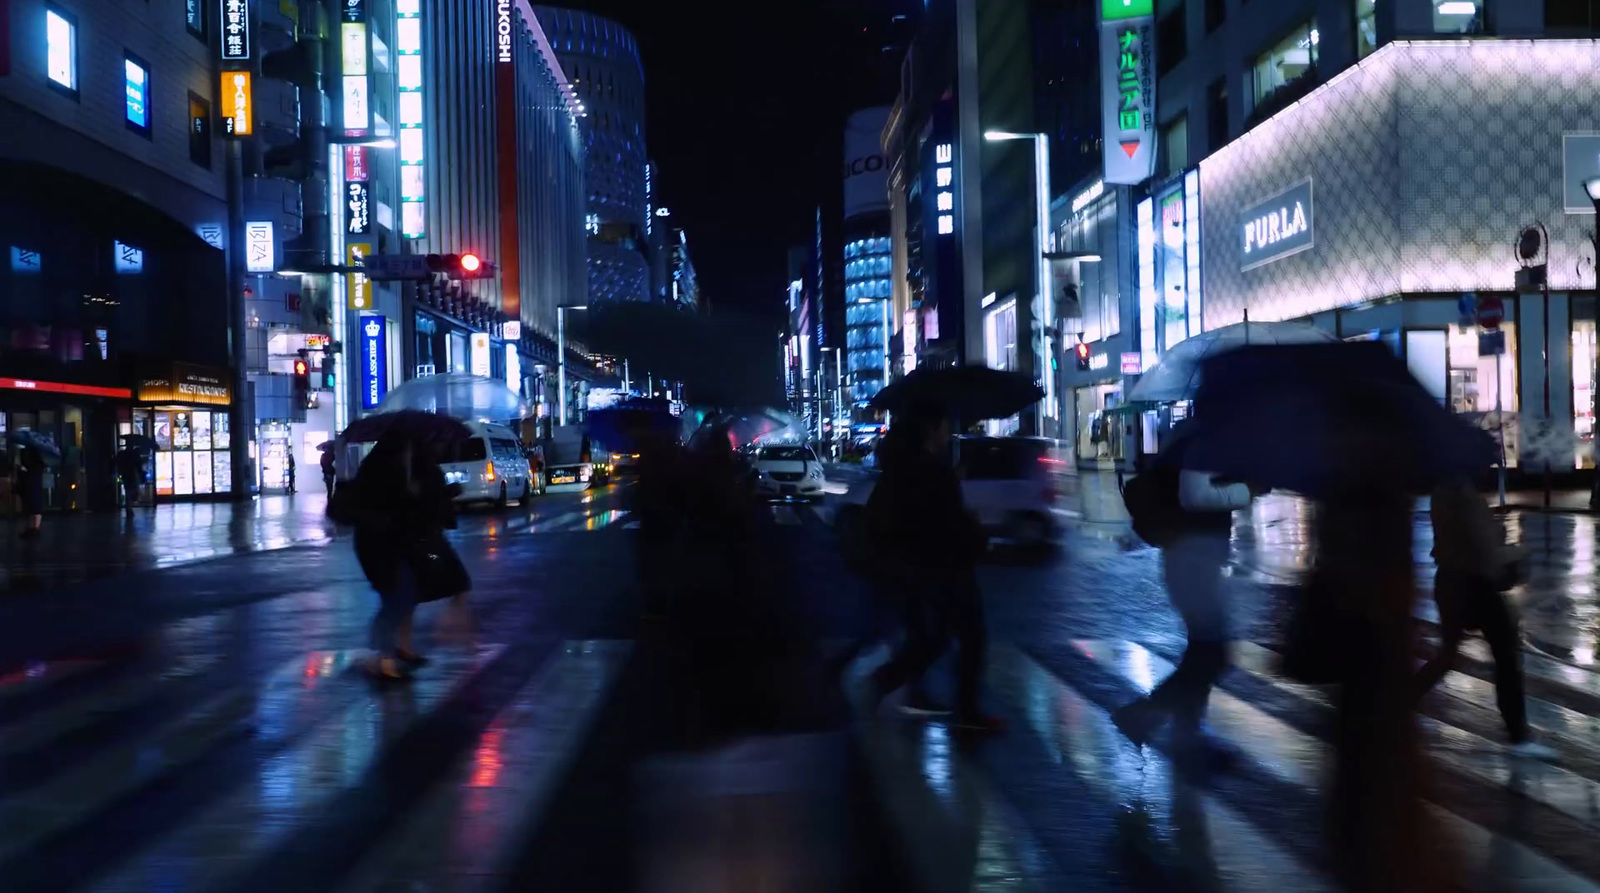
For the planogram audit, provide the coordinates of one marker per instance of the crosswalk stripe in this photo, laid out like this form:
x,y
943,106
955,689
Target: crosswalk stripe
x,y
68,799
293,786
482,810
1296,757
1246,861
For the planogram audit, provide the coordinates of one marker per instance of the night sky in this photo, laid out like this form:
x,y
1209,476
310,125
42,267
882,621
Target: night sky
x,y
746,102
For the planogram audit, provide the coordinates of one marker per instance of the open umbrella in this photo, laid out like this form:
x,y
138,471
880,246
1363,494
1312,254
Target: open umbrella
x,y
38,440
1319,419
972,393
457,394
1177,376
424,427
327,445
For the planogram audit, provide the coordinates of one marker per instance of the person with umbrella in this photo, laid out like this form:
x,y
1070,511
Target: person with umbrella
x,y
328,473
30,487
929,544
129,463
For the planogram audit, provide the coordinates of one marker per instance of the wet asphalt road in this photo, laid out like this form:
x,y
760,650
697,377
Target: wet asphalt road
x,y
179,712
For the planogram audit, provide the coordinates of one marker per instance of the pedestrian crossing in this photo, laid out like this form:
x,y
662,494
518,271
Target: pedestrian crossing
x,y
587,519
1512,824
184,777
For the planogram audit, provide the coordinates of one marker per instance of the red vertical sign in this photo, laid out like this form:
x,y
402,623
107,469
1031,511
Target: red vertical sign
x,y
505,102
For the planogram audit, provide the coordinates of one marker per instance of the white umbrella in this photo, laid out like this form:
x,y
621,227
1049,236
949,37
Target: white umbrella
x,y
458,395
1177,376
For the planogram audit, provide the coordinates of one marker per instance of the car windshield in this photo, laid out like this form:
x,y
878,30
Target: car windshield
x,y
1000,459
787,454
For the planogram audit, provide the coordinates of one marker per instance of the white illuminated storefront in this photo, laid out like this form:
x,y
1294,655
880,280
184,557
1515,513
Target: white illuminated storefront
x,y
1374,204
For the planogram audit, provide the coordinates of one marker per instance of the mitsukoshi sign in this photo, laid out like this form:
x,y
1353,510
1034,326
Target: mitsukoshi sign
x,y
1128,89
1282,225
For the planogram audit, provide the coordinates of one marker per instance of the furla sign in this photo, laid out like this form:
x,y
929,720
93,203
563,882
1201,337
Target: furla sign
x,y
1282,225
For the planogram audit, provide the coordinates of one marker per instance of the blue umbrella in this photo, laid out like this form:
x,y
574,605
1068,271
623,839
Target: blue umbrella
x,y
37,440
1321,419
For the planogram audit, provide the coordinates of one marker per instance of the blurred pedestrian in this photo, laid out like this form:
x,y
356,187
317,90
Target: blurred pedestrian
x,y
30,487
659,505
328,471
929,543
1194,553
130,470
402,508
289,469
1476,566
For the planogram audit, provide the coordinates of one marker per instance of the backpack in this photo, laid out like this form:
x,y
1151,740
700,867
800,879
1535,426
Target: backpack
x,y
1152,502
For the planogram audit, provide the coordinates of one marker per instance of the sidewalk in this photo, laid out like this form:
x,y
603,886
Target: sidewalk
x,y
76,547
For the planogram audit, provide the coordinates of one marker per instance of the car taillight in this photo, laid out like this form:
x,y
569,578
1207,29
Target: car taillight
x,y
488,473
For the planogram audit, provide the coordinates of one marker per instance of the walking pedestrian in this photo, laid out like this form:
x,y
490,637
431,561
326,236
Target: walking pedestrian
x,y
289,469
403,508
30,487
929,544
659,504
1476,566
328,473
1194,553
130,470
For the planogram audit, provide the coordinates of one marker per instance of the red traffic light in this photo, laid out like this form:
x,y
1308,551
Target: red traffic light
x,y
470,263
1083,350
300,367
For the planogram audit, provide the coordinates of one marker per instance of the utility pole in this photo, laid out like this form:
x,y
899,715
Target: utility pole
x,y
242,414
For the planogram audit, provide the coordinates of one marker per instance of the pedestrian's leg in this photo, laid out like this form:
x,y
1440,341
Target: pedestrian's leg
x,y
922,648
1443,662
972,639
1192,569
1505,643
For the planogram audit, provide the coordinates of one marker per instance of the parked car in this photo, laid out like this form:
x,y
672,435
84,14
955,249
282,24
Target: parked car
x,y
1006,481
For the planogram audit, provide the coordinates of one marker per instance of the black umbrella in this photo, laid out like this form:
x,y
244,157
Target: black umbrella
x,y
1320,419
972,393
422,427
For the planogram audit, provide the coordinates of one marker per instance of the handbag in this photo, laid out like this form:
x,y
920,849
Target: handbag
x,y
438,569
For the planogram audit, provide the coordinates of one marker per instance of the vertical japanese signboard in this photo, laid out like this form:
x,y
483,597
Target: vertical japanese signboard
x,y
235,30
374,361
408,78
506,174
238,104
1128,89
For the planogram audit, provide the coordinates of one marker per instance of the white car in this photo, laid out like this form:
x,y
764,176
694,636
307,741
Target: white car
x,y
1005,481
491,466
788,472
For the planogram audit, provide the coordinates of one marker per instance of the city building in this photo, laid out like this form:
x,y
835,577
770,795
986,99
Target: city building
x,y
602,60
1363,168
119,321
968,189
684,284
867,263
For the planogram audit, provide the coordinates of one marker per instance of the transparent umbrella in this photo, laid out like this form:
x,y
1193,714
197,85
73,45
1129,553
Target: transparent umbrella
x,y
458,395
1177,376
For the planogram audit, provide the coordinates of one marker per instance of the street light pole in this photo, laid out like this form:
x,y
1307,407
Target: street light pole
x,y
1044,314
561,356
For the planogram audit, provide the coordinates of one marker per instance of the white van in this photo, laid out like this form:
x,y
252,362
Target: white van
x,y
491,466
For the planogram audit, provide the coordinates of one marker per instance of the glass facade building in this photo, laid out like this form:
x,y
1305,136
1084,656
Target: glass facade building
x,y
867,267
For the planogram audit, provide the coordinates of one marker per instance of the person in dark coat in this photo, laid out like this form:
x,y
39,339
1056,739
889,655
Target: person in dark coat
x,y
30,488
927,540
659,504
130,469
328,472
403,501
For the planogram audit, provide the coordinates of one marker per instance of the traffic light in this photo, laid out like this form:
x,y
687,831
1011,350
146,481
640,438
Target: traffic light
x,y
1081,352
329,363
302,378
460,266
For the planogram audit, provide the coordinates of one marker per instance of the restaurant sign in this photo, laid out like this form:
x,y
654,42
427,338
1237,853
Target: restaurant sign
x,y
1282,225
1128,89
185,383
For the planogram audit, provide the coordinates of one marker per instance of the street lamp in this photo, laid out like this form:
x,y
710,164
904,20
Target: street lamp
x,y
1041,264
561,354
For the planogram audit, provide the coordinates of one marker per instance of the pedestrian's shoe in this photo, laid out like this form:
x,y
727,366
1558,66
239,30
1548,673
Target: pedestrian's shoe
x,y
1138,721
1530,749
387,669
980,723
411,659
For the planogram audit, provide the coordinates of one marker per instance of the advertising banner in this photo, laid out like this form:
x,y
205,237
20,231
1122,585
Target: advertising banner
x,y
235,30
478,358
358,287
1128,89
866,176
238,104
374,361
260,252
357,209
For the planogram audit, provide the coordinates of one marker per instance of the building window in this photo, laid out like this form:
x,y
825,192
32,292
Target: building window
x,y
1366,27
1216,12
1217,115
1571,15
1172,42
1175,145
199,131
136,102
1458,17
1291,59
61,53
194,14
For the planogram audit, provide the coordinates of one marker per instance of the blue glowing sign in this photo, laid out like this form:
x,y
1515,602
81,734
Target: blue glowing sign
x,y
374,361
137,86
